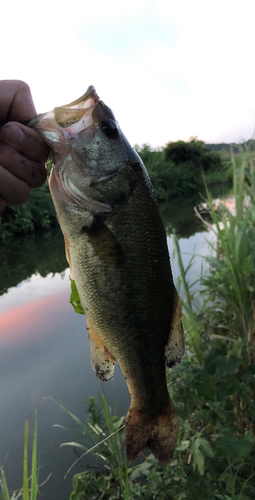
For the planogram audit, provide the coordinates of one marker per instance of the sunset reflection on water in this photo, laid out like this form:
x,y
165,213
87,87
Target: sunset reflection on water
x,y
31,318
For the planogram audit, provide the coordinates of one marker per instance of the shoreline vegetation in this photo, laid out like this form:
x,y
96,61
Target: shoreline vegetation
x,y
177,171
213,389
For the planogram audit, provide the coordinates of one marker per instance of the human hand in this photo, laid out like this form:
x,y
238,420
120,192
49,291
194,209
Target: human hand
x,y
22,150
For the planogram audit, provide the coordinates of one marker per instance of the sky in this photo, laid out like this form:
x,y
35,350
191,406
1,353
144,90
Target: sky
x,y
168,69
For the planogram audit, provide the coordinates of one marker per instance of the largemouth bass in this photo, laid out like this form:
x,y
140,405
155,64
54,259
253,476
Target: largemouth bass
x,y
117,252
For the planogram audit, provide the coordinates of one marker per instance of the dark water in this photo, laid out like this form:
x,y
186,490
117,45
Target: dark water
x,y
44,349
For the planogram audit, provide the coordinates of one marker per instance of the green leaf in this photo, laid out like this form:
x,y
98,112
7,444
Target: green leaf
x,y
238,447
140,469
205,389
199,462
228,366
34,485
75,299
4,487
74,444
206,448
184,445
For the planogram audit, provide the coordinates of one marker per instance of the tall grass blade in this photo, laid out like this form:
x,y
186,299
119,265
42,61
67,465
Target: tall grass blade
x,y
191,323
91,449
25,470
34,484
73,417
4,487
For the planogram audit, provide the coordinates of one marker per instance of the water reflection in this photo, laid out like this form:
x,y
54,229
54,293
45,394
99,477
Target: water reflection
x,y
179,216
22,257
44,253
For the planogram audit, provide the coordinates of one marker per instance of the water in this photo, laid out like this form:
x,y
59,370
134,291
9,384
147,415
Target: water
x,y
44,353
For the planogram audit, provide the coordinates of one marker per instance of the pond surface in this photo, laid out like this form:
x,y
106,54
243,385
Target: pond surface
x,y
44,351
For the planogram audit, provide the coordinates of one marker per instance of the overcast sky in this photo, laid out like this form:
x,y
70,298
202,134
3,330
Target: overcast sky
x,y
168,69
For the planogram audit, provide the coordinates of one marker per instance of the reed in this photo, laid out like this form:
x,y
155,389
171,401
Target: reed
x,y
29,491
190,321
230,282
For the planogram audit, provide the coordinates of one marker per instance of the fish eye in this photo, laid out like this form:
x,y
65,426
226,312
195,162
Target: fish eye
x,y
110,129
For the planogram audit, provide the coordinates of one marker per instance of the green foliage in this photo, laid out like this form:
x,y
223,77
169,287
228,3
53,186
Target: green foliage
x,y
213,450
232,278
176,170
102,435
30,484
37,213
192,155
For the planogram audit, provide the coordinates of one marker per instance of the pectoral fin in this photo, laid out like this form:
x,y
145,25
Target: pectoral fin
x,y
175,348
104,242
102,361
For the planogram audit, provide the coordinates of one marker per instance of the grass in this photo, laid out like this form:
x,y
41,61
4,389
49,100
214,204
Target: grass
x,y
232,280
29,491
103,436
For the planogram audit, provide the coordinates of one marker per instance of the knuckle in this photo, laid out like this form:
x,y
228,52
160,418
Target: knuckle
x,y
21,85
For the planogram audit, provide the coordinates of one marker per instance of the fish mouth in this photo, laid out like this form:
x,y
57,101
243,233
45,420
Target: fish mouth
x,y
71,113
71,118
65,129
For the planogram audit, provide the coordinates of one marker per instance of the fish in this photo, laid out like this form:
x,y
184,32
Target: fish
x,y
117,251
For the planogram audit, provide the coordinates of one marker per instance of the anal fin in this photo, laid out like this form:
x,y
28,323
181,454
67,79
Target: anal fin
x,y
102,361
175,348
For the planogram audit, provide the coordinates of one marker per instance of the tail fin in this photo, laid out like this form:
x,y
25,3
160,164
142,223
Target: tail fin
x,y
157,432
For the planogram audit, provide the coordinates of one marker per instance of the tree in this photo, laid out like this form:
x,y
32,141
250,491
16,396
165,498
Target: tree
x,y
192,154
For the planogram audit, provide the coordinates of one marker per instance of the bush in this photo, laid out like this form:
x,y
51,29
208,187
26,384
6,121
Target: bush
x,y
37,213
177,170
192,155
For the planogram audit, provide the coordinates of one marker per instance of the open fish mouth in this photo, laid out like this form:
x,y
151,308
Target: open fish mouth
x,y
69,114
72,118
64,123
78,134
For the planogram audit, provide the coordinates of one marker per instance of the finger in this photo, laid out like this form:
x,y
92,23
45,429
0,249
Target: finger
x,y
16,101
2,204
25,140
12,190
33,173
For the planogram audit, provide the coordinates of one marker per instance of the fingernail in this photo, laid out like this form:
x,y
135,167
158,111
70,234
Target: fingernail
x,y
12,134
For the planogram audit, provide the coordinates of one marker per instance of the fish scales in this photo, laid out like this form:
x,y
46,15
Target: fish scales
x,y
117,250
131,309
